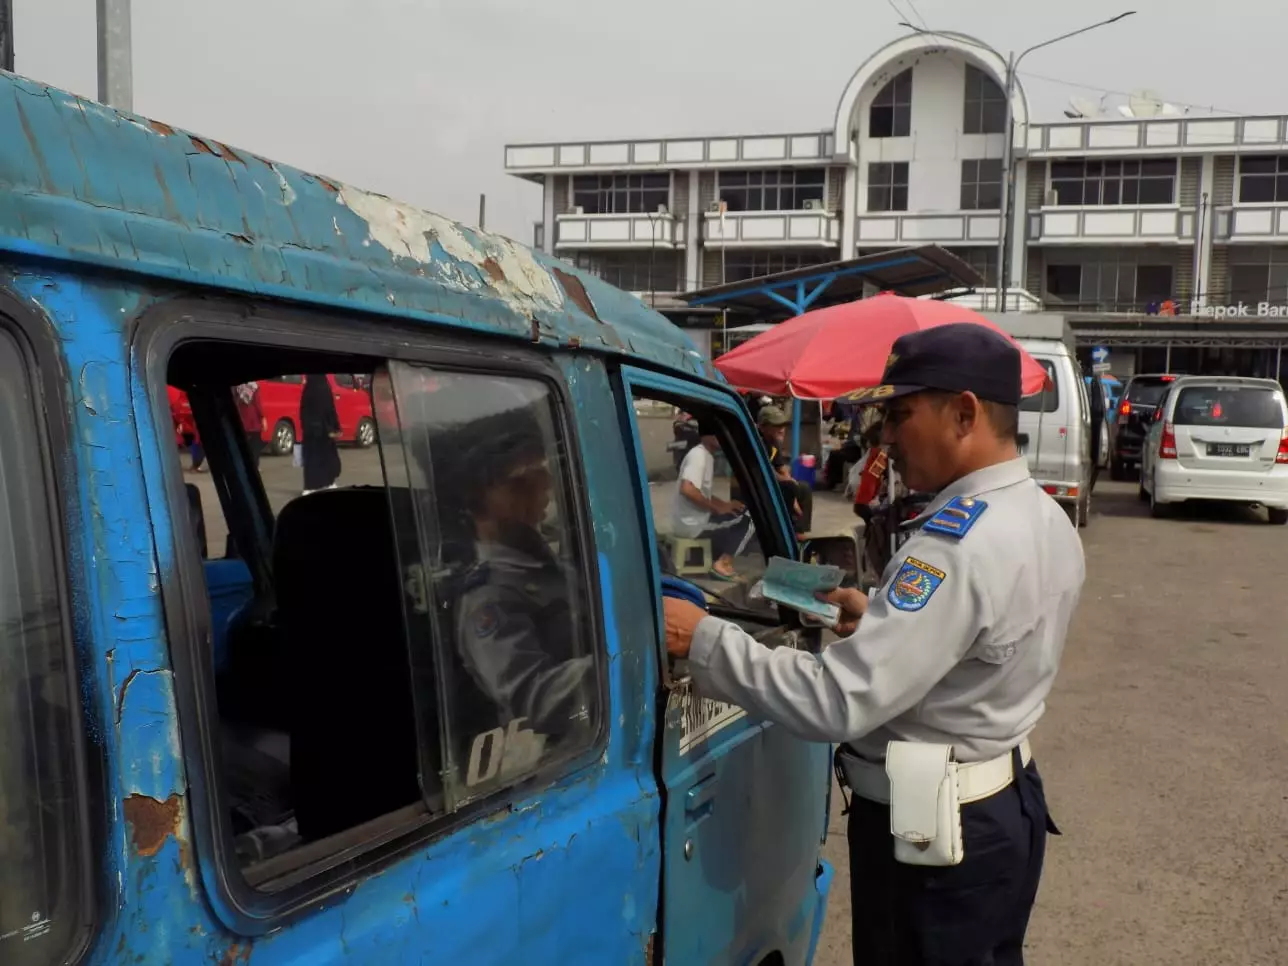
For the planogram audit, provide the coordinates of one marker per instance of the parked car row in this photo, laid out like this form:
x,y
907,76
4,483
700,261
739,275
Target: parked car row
x,y
1136,408
280,401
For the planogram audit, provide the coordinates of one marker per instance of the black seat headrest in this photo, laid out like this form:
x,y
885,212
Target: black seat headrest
x,y
340,598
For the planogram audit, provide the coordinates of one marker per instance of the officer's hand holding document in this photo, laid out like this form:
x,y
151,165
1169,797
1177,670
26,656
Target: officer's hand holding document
x,y
682,617
802,587
851,604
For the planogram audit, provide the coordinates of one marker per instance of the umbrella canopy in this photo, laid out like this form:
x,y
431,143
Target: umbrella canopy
x,y
833,351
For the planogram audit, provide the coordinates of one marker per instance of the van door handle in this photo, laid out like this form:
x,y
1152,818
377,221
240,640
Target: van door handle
x,y
699,800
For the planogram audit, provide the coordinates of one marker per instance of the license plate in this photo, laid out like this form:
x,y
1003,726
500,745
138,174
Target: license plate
x,y
1228,449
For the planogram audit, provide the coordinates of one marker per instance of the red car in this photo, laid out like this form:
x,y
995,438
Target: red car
x,y
280,400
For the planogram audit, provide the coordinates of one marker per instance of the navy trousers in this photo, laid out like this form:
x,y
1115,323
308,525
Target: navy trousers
x,y
971,914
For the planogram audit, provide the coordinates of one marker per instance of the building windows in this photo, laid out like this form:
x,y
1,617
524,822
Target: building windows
x,y
1263,178
634,271
777,189
739,266
1108,282
888,186
1151,181
891,113
1256,275
983,260
982,184
985,104
619,194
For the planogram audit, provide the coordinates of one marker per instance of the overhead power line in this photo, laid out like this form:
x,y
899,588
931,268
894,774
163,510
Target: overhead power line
x,y
1106,90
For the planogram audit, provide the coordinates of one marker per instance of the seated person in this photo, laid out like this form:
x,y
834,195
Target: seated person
x,y
849,450
772,423
698,515
513,615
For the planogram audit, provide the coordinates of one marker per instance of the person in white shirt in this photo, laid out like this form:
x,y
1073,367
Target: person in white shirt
x,y
699,515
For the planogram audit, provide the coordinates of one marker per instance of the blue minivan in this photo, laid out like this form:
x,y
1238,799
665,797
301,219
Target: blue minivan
x,y
406,703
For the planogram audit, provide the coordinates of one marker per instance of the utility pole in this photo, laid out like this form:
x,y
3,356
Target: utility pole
x,y
115,60
6,35
482,212
1008,165
1008,147
1008,153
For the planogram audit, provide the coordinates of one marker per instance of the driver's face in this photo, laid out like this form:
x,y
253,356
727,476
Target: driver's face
x,y
522,496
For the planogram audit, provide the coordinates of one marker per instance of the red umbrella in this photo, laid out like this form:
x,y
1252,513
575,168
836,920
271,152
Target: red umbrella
x,y
833,351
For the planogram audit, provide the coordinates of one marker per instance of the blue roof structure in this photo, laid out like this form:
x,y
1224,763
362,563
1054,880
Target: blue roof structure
x,y
85,183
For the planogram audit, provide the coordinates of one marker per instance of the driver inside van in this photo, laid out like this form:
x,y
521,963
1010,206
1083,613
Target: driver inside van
x,y
514,620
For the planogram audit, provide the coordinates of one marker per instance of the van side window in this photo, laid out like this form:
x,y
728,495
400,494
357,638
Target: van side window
x,y
41,851
409,627
706,524
1047,401
498,571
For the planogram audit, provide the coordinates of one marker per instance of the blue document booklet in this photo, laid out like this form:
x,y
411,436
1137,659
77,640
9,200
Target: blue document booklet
x,y
796,585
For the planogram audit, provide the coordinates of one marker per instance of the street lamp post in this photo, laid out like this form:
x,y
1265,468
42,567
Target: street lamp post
x,y
1008,153
6,35
1008,148
115,57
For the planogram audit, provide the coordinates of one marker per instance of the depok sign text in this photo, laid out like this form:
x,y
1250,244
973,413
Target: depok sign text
x,y
1240,310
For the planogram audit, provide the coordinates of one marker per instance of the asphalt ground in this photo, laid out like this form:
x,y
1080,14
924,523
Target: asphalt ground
x,y
1164,750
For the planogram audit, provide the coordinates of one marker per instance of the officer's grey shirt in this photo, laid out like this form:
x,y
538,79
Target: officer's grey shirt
x,y
515,638
970,666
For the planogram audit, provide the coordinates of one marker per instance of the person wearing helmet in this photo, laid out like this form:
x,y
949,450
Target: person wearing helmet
x,y
513,614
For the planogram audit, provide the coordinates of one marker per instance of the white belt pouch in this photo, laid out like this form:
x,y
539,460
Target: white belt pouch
x,y
925,810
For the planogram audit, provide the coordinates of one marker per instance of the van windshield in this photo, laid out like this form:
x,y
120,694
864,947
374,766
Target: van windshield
x,y
1044,402
1250,407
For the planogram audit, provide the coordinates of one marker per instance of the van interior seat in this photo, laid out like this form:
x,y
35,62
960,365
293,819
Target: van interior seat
x,y
340,610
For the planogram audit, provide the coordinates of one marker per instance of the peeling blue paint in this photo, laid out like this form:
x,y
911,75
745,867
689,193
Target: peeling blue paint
x,y
85,183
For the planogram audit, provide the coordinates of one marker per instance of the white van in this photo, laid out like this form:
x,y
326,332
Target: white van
x,y
1055,430
1055,426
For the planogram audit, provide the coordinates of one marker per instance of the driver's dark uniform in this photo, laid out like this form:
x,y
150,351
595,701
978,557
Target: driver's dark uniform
x,y
516,639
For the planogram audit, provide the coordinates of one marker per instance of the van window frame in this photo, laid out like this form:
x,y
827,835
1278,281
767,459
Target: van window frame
x,y
44,369
160,330
768,510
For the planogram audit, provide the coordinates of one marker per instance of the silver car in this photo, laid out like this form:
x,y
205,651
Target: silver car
x,y
1218,438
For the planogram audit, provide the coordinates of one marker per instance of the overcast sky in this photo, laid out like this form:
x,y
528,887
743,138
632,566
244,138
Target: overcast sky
x,y
416,98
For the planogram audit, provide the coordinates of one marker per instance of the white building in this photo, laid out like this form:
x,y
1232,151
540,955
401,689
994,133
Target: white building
x,y
1111,217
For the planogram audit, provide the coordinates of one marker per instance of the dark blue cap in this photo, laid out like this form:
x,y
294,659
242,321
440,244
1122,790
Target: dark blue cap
x,y
959,357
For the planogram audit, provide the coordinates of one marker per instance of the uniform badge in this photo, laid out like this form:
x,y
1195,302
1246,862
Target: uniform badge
x,y
914,584
487,621
956,517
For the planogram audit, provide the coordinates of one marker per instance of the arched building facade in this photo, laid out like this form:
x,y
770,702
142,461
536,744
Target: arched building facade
x,y
1164,238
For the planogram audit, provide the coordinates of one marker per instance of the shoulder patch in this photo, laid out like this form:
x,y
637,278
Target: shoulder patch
x,y
956,517
485,621
913,584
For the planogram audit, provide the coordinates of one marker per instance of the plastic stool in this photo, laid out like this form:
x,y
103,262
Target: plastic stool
x,y
681,551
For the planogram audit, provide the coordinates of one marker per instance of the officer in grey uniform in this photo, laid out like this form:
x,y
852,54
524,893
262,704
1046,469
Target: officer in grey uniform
x,y
514,623
944,672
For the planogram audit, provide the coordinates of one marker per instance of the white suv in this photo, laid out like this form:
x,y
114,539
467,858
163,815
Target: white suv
x,y
1218,438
